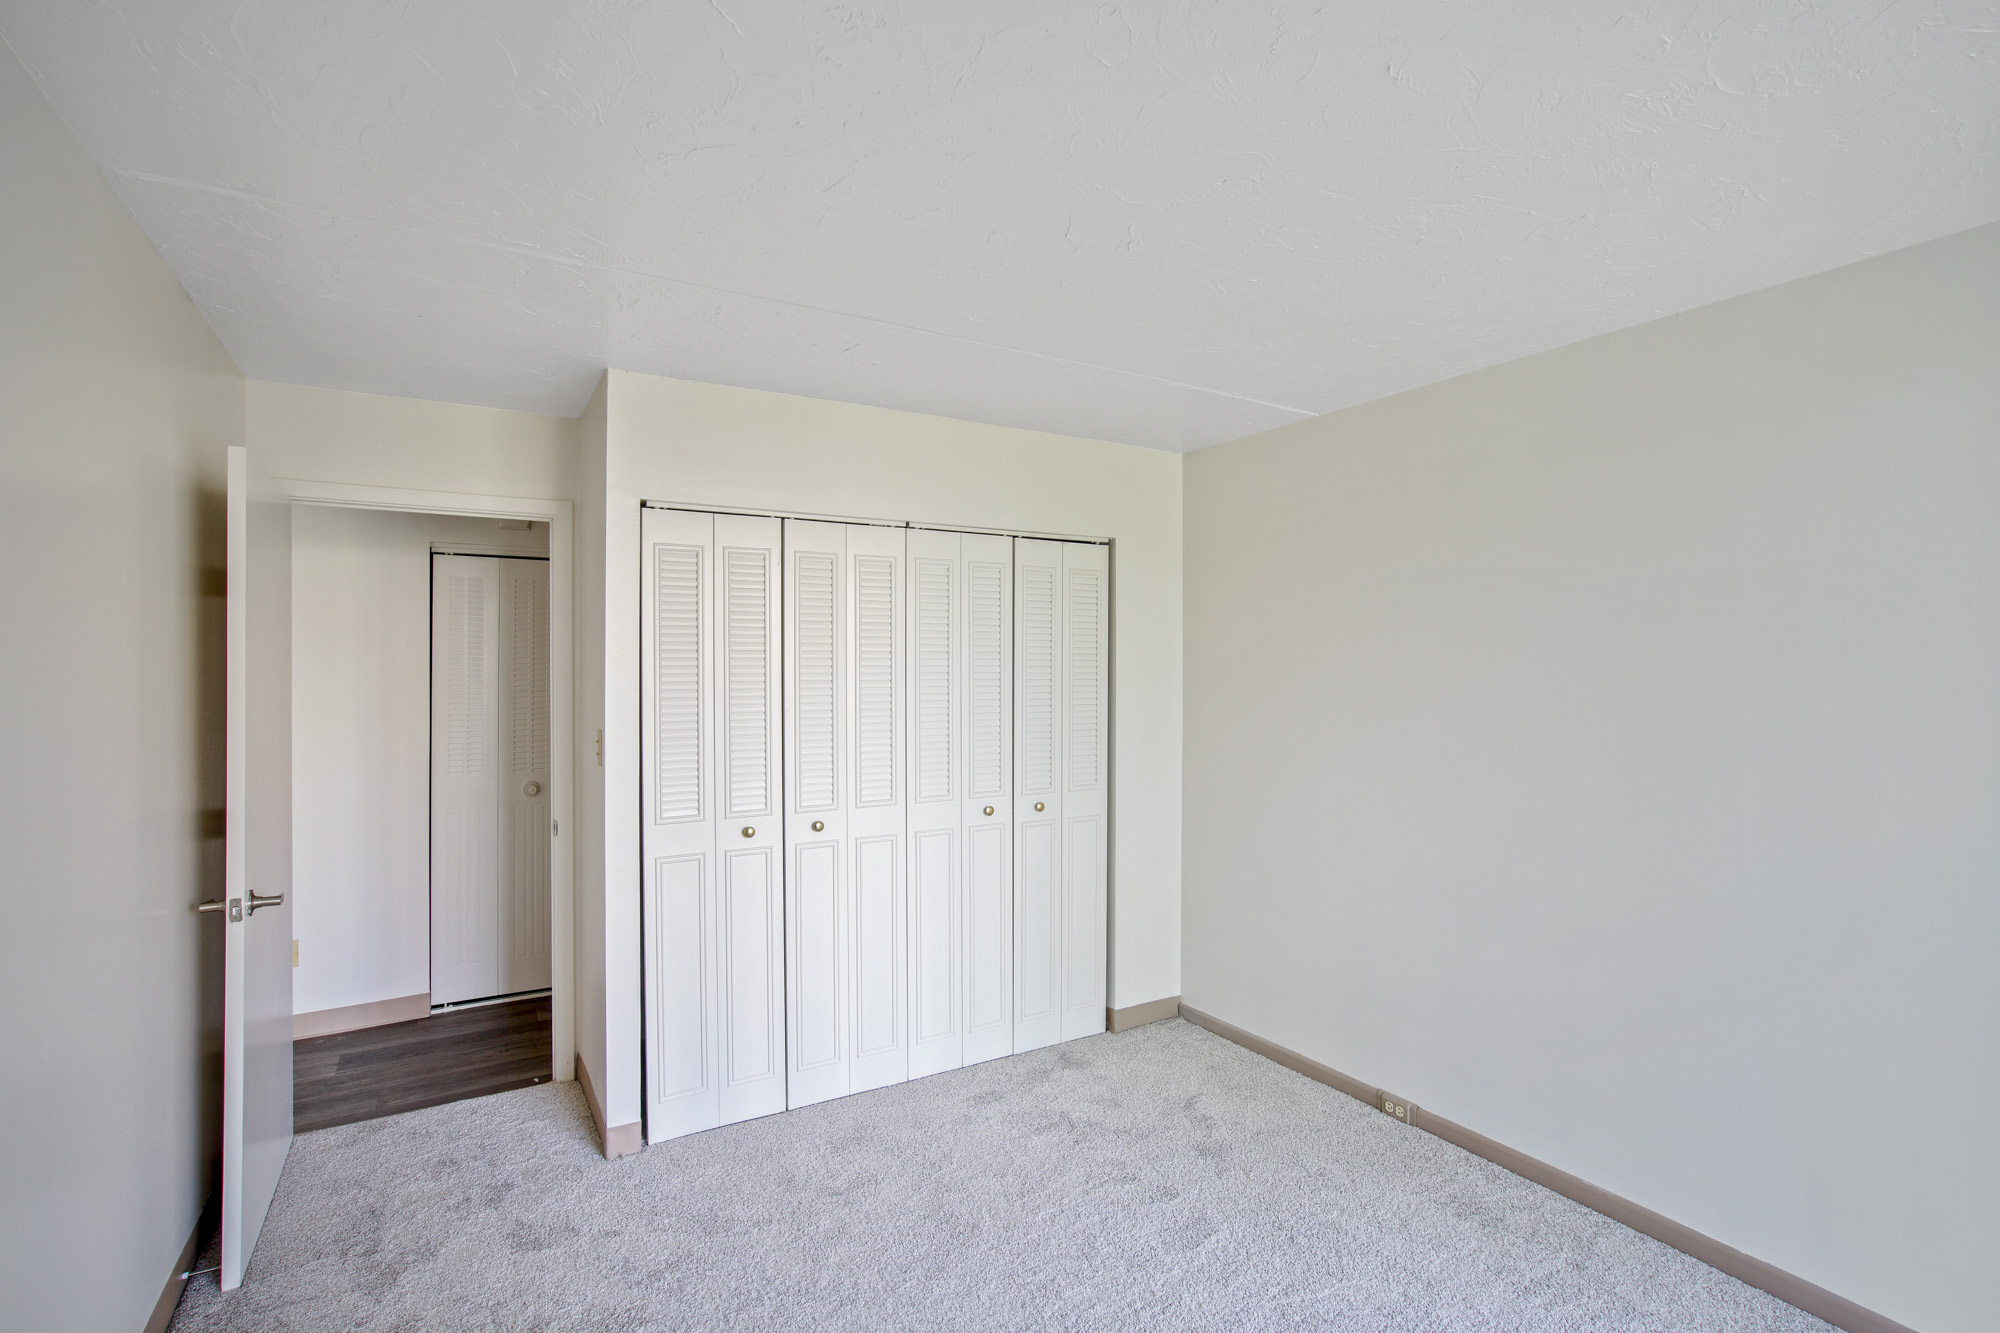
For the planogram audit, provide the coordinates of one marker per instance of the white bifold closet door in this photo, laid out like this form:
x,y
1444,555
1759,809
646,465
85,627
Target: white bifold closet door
x,y
847,899
961,810
1062,754
489,777
712,840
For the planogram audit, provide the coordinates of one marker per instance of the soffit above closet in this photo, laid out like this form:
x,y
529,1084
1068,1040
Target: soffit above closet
x,y
1167,224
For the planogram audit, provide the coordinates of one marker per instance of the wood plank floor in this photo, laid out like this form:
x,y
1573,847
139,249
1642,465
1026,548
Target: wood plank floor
x,y
447,1057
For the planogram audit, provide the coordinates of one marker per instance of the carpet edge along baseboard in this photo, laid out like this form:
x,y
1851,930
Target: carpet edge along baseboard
x,y
1138,1015
1788,1287
617,1140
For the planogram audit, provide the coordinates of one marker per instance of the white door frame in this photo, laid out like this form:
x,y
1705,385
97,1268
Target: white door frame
x,y
562,713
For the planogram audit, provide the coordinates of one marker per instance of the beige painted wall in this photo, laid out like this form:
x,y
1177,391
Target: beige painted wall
x,y
365,439
1603,750
704,444
116,403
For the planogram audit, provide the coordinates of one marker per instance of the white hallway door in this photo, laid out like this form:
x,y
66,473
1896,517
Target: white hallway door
x,y
712,841
845,926
257,859
489,777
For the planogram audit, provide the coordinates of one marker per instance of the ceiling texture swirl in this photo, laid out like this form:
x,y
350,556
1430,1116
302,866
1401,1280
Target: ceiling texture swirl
x,y
1169,224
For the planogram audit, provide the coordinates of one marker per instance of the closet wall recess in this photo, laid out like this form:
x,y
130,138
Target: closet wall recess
x,y
875,769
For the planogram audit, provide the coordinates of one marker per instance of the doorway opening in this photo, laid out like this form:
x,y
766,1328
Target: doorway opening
x,y
429,898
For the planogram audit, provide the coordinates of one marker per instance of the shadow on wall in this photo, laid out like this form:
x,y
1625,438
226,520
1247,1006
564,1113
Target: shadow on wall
x,y
211,527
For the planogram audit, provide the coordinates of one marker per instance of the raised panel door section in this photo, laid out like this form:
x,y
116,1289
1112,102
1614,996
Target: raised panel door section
x,y
1084,684
878,980
677,948
816,965
937,748
753,953
1039,863
711,771
933,975
986,806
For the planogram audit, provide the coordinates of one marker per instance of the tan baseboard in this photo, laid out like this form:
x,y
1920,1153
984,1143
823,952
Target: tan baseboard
x,y
618,1140
350,1017
1793,1290
170,1295
1138,1015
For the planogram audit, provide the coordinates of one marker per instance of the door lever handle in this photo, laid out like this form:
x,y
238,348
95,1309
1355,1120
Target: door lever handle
x,y
233,906
258,900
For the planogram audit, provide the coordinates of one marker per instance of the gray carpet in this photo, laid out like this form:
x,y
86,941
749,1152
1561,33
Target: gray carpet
x,y
1158,1179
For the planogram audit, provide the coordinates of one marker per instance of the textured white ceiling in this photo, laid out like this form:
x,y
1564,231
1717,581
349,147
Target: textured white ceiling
x,y
1166,223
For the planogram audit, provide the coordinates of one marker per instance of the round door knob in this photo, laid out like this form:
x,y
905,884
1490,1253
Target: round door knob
x,y
819,826
532,789
989,809
1038,805
749,832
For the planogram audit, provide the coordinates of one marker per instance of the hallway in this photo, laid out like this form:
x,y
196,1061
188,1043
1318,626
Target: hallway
x,y
448,1057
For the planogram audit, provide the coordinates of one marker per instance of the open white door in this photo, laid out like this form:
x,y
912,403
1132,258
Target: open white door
x,y
257,955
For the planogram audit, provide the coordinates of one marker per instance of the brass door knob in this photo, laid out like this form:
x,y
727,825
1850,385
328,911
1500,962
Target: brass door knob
x,y
1038,805
819,826
749,832
989,809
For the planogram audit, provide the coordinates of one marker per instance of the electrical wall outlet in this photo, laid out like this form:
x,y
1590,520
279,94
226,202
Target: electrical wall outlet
x,y
1392,1105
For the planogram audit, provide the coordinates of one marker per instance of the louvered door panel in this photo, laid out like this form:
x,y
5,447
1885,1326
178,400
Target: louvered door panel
x,y
1085,685
877,669
813,704
749,641
936,580
678,748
